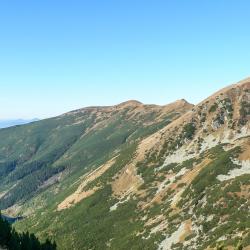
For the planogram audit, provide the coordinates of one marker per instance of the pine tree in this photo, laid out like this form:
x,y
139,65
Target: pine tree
x,y
12,240
5,232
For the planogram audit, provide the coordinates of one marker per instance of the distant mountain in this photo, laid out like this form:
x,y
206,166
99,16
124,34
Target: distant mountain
x,y
134,176
11,123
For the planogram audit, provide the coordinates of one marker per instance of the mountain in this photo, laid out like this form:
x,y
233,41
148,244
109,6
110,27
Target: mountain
x,y
36,155
134,176
10,123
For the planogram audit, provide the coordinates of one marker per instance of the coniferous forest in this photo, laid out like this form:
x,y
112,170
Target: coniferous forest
x,y
12,240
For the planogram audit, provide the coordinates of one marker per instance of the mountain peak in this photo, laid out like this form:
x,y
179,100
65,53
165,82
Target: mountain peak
x,y
179,104
130,103
183,102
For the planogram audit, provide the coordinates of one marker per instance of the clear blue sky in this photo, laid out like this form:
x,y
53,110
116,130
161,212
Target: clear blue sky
x,y
59,55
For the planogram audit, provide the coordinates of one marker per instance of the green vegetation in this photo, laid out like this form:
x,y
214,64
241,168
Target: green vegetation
x,y
221,164
244,112
50,156
34,156
213,108
43,163
189,130
91,225
12,240
219,201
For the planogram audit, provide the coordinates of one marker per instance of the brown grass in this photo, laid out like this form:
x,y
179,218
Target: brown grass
x,y
80,194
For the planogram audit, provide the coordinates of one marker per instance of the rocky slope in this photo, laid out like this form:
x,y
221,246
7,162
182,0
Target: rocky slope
x,y
135,176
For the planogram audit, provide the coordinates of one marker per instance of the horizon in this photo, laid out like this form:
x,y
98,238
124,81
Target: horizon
x,y
36,118
58,57
25,118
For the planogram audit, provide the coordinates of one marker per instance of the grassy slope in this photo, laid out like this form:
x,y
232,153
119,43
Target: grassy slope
x,y
71,144
91,225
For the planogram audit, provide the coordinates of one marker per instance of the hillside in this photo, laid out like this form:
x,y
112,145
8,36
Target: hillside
x,y
134,176
38,155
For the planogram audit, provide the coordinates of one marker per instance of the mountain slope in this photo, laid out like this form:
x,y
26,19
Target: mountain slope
x,y
179,184
40,154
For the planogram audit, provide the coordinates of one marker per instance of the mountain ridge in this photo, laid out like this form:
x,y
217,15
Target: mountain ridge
x,y
158,177
129,103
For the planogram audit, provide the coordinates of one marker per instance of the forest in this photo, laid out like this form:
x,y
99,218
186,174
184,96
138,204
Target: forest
x,y
12,240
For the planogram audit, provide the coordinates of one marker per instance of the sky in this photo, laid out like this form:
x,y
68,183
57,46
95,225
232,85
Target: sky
x,y
57,56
